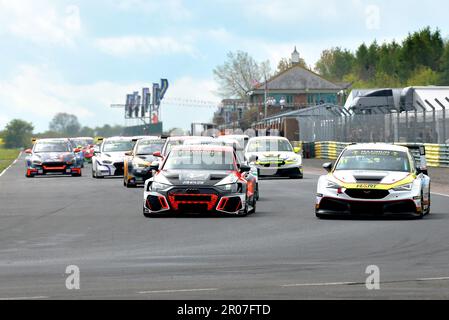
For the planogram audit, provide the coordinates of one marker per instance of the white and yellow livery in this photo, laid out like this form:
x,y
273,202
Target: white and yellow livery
x,y
374,179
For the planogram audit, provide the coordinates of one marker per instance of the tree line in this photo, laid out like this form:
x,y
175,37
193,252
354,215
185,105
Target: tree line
x,y
18,133
422,58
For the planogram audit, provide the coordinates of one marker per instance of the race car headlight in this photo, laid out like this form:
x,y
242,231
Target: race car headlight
x,y
140,164
293,159
404,187
332,185
232,187
107,162
157,186
38,162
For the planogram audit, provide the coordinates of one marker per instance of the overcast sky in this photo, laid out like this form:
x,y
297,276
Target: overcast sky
x,y
81,56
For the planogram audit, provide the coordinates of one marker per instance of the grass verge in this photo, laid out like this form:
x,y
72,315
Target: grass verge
x,y
7,156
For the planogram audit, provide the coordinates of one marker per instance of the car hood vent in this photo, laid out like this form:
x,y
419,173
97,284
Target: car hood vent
x,y
369,178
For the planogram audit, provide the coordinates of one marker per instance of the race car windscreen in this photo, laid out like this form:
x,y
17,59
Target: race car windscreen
x,y
82,142
384,160
270,145
118,146
199,160
51,147
171,144
149,147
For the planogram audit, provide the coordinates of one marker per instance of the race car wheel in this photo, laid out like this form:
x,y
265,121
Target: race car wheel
x,y
253,205
256,194
94,175
149,214
427,211
29,176
130,185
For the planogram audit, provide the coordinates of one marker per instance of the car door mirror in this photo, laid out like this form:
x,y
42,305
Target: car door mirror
x,y
129,153
244,168
28,151
157,154
253,158
297,150
77,150
328,166
419,170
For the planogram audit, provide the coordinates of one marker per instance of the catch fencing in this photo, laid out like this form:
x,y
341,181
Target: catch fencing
x,y
430,127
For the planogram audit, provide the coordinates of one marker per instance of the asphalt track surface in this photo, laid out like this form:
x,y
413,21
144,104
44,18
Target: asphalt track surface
x,y
281,252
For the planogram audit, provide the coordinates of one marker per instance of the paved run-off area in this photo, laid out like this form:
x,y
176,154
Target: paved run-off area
x,y
282,252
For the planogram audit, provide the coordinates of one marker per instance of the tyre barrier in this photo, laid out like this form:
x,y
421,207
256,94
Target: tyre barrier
x,y
437,155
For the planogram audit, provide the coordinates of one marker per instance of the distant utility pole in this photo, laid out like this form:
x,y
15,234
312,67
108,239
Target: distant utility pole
x,y
265,94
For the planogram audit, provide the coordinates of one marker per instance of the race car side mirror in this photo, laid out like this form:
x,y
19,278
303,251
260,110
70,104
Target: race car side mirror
x,y
328,166
154,166
244,168
297,150
28,151
423,171
129,153
157,154
253,158
77,150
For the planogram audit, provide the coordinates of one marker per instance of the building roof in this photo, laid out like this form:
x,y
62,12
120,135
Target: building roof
x,y
299,78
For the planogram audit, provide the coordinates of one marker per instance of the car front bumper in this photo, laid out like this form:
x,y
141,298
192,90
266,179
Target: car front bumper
x,y
208,200
51,168
139,175
331,202
113,170
281,170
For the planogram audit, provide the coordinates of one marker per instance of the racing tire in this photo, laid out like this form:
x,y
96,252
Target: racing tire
x,y
428,205
256,194
253,204
297,177
131,185
149,214
29,176
94,175
77,174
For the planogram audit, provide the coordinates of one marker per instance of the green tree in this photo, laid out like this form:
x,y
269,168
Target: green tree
x,y
423,76
444,67
422,48
335,63
86,132
65,124
238,74
108,130
285,64
18,133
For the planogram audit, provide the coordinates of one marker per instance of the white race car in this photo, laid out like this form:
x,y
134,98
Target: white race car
x,y
275,157
374,180
109,160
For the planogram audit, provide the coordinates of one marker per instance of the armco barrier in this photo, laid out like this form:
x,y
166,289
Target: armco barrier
x,y
437,155
329,149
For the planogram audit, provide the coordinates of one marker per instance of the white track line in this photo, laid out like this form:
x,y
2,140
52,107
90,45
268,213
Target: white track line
x,y
433,279
178,290
323,284
319,284
440,194
25,298
14,162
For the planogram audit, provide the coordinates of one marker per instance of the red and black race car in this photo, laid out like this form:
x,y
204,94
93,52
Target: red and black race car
x,y
199,179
